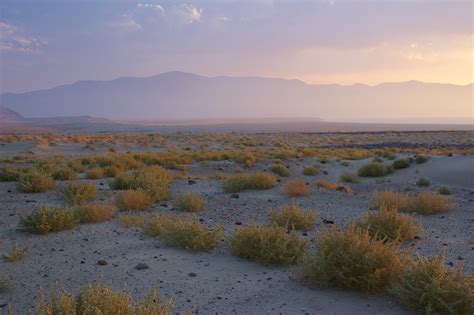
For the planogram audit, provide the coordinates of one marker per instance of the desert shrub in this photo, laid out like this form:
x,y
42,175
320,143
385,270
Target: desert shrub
x,y
387,224
190,202
296,188
113,171
153,180
349,178
48,220
16,254
35,181
95,173
445,190
101,299
327,184
75,165
400,163
269,245
425,203
178,231
428,286
374,170
423,182
388,155
9,174
64,174
351,259
133,200
241,182
131,220
280,169
310,170
95,212
293,217
79,193
419,159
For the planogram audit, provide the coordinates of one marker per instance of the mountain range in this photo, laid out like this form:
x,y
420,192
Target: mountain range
x,y
180,95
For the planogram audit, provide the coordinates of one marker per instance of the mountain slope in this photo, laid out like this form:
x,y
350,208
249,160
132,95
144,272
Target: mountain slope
x,y
178,95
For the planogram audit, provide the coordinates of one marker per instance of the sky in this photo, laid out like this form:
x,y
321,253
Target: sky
x,y
49,43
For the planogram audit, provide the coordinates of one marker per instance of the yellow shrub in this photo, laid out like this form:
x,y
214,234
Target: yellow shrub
x,y
296,188
190,202
35,182
292,216
79,193
48,220
133,200
95,212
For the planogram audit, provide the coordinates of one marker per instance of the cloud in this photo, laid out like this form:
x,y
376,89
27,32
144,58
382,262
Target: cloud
x,y
127,23
157,7
188,13
12,39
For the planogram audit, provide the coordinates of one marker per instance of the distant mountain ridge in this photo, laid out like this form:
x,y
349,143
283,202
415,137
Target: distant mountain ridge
x,y
180,95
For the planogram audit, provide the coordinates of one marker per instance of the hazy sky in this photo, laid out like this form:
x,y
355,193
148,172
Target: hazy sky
x,y
47,43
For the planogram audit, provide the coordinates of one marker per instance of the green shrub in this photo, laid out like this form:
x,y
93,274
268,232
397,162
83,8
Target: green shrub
x,y
401,163
445,190
178,231
374,170
419,159
428,286
48,220
153,180
251,181
352,259
99,299
423,182
387,224
349,178
269,245
190,202
35,182
64,174
133,200
79,193
310,170
293,217
9,174
281,170
96,212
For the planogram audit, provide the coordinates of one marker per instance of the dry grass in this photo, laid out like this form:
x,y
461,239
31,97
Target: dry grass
x,y
64,174
95,173
133,200
425,203
181,232
310,170
131,220
387,224
269,245
280,169
48,220
190,202
9,174
16,254
79,193
293,217
241,182
428,286
327,184
35,181
352,259
296,188
374,170
349,178
96,212
95,299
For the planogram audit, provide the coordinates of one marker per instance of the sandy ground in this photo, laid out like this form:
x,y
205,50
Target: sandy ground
x,y
224,284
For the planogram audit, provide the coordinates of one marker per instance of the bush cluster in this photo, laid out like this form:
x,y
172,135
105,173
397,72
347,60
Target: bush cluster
x,y
242,182
292,217
48,220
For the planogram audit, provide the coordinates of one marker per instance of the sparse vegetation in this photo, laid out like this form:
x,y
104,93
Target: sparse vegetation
x,y
352,259
444,190
400,164
178,231
374,170
190,202
280,169
48,220
291,216
79,193
9,174
3,285
327,184
349,178
131,220
425,203
100,299
16,254
388,225
296,188
64,174
251,181
423,182
95,173
428,286
269,245
133,200
310,170
419,159
35,181
96,212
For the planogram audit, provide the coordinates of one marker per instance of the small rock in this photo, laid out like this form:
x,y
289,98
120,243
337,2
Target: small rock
x,y
325,173
328,221
238,223
191,182
142,266
192,274
102,262
235,196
